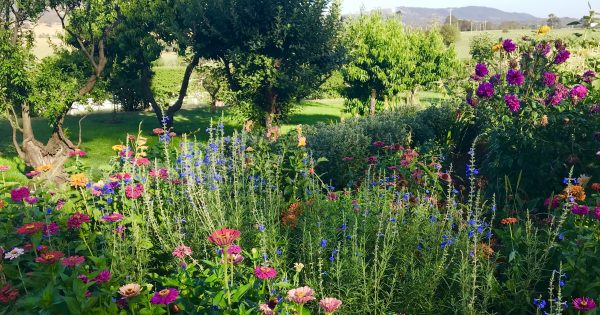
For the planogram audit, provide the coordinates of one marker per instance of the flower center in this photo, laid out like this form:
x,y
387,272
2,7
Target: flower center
x,y
300,294
583,303
164,292
264,269
50,256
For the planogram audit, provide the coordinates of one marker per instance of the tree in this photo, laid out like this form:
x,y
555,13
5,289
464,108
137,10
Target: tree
x,y
50,88
450,34
274,52
213,80
379,59
553,21
385,59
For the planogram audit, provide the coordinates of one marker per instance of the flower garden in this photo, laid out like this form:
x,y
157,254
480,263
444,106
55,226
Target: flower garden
x,y
486,204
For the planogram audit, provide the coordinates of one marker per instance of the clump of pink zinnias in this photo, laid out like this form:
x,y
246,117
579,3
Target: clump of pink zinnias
x,y
72,261
134,191
76,220
330,305
580,209
113,217
264,272
19,194
165,296
301,295
584,304
181,251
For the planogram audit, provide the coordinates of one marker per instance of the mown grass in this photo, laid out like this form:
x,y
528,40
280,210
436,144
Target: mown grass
x,y
103,130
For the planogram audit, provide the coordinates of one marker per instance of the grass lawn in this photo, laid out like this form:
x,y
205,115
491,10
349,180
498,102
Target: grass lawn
x,y
103,130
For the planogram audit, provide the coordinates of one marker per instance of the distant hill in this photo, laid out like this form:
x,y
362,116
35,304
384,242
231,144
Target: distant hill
x,y
416,16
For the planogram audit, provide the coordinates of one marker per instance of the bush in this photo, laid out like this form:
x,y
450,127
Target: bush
x,y
450,34
480,47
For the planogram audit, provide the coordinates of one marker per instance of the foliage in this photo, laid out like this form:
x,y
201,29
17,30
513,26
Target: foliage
x,y
450,34
481,47
385,59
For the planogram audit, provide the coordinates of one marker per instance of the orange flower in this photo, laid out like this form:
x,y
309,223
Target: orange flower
x,y
118,147
301,141
485,250
596,186
509,221
43,168
574,190
79,180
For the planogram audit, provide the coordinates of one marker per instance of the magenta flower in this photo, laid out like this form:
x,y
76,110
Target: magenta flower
x,y
561,56
578,93
544,49
512,102
495,79
580,209
102,277
552,203
72,261
19,194
181,251
559,94
134,191
588,76
515,77
481,70
549,78
597,213
509,46
113,217
595,109
486,90
234,250
77,152
165,296
264,272
76,220
50,229
584,304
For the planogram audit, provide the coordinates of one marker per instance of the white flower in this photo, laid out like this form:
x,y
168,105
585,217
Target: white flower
x,y
15,253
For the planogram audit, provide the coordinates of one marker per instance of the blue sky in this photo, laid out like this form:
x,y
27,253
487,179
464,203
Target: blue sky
x,y
540,8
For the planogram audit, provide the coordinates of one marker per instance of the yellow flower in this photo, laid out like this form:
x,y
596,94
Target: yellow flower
x,y
301,141
544,121
43,168
78,180
299,130
497,47
543,30
249,149
141,141
118,147
248,125
298,266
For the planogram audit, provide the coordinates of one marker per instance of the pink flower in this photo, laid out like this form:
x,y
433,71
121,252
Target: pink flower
x,y
141,161
76,220
330,305
102,277
301,295
166,296
19,194
578,93
265,309
158,131
580,209
552,203
332,196
224,237
134,191
72,261
584,304
113,217
264,272
597,213
50,229
234,250
160,173
31,200
77,152
30,228
4,168
181,251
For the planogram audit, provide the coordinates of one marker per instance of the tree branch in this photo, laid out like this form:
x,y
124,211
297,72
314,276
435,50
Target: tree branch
x,y
80,129
15,127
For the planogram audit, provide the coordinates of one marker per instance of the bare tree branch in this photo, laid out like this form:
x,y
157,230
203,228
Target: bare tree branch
x,y
80,129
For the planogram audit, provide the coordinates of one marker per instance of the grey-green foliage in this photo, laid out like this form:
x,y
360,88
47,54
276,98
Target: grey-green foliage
x,y
354,137
450,33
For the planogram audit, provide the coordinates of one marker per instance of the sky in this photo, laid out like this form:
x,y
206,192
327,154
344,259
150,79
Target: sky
x,y
539,8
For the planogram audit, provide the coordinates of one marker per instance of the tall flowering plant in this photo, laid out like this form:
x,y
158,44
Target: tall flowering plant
x,y
530,103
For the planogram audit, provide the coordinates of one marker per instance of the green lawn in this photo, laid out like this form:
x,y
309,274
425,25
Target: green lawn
x,y
103,130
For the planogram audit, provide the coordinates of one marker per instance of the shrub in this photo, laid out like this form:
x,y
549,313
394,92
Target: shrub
x,y
480,47
450,34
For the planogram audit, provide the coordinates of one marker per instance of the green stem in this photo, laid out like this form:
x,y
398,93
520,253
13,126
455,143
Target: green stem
x,y
21,276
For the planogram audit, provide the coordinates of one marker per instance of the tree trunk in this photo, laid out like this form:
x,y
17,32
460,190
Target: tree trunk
x,y
182,91
373,101
271,99
149,94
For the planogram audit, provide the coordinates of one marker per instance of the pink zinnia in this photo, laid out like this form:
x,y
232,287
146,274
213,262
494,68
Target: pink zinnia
x,y
224,237
134,191
78,152
580,209
158,131
264,272
166,296
234,250
265,309
102,277
50,229
584,304
330,305
301,295
160,173
113,217
4,168
75,220
31,200
597,213
19,194
141,161
72,261
181,251
30,228
578,93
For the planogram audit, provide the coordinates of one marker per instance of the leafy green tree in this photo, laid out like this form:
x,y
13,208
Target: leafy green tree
x,y
50,88
274,52
450,34
212,78
385,59
553,21
480,47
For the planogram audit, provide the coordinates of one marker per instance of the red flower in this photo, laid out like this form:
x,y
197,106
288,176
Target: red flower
x,y
30,228
76,220
72,261
49,258
8,294
224,237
